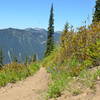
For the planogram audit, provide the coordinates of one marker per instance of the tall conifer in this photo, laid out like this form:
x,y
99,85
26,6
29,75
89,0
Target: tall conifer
x,y
1,57
96,16
50,38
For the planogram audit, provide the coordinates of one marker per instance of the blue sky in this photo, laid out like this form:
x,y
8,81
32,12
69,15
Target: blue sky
x,y
35,13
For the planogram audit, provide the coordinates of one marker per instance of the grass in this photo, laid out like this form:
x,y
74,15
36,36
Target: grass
x,y
76,92
64,81
59,81
57,86
71,63
16,72
68,75
88,77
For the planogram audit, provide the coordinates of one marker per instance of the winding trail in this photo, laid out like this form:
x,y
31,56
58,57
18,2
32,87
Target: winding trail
x,y
34,88
31,88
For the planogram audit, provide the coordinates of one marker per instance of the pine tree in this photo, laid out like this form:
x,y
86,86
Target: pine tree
x,y
96,16
66,27
1,57
34,58
15,59
26,60
50,38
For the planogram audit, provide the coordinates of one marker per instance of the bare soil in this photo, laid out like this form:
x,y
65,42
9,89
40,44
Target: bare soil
x,y
87,95
31,88
34,88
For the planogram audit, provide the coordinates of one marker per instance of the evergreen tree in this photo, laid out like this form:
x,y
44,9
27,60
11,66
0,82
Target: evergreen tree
x,y
66,27
26,60
1,57
50,38
34,58
96,16
65,34
15,59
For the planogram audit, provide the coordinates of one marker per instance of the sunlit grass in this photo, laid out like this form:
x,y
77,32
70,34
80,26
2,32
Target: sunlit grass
x,y
15,72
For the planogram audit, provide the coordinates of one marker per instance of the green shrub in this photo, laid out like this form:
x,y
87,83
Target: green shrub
x,y
78,52
76,92
55,89
60,80
15,72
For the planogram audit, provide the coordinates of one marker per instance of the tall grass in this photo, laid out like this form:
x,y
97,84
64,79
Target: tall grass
x,y
15,72
78,51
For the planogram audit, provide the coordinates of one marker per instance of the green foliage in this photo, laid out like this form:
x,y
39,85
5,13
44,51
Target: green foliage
x,y
96,16
87,63
26,60
50,38
66,27
83,45
88,77
78,52
94,52
73,62
1,57
55,89
15,58
74,66
79,49
34,58
15,72
60,80
76,92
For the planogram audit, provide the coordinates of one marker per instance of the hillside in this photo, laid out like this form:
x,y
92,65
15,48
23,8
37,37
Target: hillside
x,y
40,64
30,89
70,72
22,43
35,88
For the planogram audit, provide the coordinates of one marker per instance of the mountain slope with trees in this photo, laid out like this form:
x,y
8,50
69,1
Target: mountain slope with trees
x,y
73,66
22,43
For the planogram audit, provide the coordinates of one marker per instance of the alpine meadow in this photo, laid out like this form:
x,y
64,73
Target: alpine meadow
x,y
54,60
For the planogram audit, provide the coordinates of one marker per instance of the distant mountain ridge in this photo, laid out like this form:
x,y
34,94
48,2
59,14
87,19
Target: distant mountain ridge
x,y
23,42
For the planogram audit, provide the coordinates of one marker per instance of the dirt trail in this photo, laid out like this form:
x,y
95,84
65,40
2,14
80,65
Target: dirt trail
x,y
97,94
87,95
34,87
30,89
